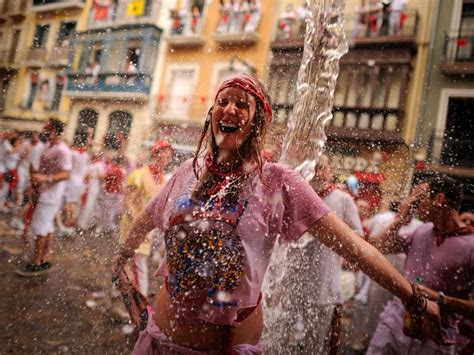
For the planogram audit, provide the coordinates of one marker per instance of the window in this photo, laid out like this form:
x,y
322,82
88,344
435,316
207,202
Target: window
x,y
120,121
132,61
5,86
180,89
41,36
87,120
4,93
65,34
119,128
13,46
188,19
282,90
33,90
466,35
458,140
58,92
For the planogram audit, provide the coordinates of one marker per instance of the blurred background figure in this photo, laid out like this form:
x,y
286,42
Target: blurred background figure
x,y
94,177
141,186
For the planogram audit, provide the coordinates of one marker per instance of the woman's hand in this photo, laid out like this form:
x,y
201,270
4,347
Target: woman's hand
x,y
429,293
432,325
124,256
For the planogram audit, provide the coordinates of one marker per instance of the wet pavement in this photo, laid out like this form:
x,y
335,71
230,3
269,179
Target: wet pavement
x,y
66,310
70,308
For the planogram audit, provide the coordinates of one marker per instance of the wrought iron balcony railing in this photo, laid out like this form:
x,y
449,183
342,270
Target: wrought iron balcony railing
x,y
60,56
375,26
123,12
53,5
35,56
459,46
139,83
186,30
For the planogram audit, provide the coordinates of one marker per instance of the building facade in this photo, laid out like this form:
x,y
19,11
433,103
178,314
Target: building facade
x,y
446,130
116,70
34,59
206,42
377,97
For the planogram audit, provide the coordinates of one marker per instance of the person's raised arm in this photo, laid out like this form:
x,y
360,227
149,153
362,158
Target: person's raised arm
x,y
337,236
389,242
457,305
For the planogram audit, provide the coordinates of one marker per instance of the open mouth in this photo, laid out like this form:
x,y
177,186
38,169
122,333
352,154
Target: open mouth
x,y
228,127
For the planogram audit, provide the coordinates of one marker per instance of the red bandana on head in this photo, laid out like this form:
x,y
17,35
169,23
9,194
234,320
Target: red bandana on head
x,y
248,83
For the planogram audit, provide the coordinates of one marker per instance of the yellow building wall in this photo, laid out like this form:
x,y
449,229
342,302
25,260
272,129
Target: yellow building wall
x,y
205,57
19,88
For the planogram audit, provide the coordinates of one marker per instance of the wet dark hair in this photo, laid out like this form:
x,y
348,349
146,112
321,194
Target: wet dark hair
x,y
57,125
452,189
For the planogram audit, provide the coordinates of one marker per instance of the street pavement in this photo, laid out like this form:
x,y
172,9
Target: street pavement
x,y
67,310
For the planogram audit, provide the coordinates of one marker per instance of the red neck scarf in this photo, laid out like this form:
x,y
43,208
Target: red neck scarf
x,y
441,237
226,177
327,189
157,172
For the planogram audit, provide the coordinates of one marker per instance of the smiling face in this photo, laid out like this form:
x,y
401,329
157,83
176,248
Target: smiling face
x,y
233,117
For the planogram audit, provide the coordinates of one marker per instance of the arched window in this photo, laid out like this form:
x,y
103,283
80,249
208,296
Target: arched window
x,y
119,123
87,120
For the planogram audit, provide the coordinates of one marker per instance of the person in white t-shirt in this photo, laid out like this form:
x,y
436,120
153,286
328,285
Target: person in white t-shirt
x,y
23,171
54,171
377,296
95,174
318,284
5,149
76,184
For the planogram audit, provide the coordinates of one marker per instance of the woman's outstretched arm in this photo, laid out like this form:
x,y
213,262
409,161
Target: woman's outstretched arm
x,y
136,235
337,236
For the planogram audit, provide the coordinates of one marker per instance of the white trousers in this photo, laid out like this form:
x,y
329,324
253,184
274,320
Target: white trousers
x,y
141,271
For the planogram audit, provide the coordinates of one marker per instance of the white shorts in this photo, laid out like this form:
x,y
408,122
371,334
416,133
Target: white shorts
x,y
74,192
42,222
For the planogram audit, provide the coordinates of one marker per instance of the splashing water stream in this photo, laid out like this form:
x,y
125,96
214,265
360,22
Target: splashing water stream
x,y
290,285
325,44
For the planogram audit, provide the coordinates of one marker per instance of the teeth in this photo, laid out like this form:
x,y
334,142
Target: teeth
x,y
229,125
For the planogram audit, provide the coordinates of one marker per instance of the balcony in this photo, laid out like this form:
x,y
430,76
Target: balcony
x,y
366,30
8,59
366,124
124,86
57,5
124,13
35,57
60,56
15,8
186,31
363,124
458,53
238,27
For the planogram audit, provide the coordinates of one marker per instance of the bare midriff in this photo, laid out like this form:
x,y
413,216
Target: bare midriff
x,y
200,335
